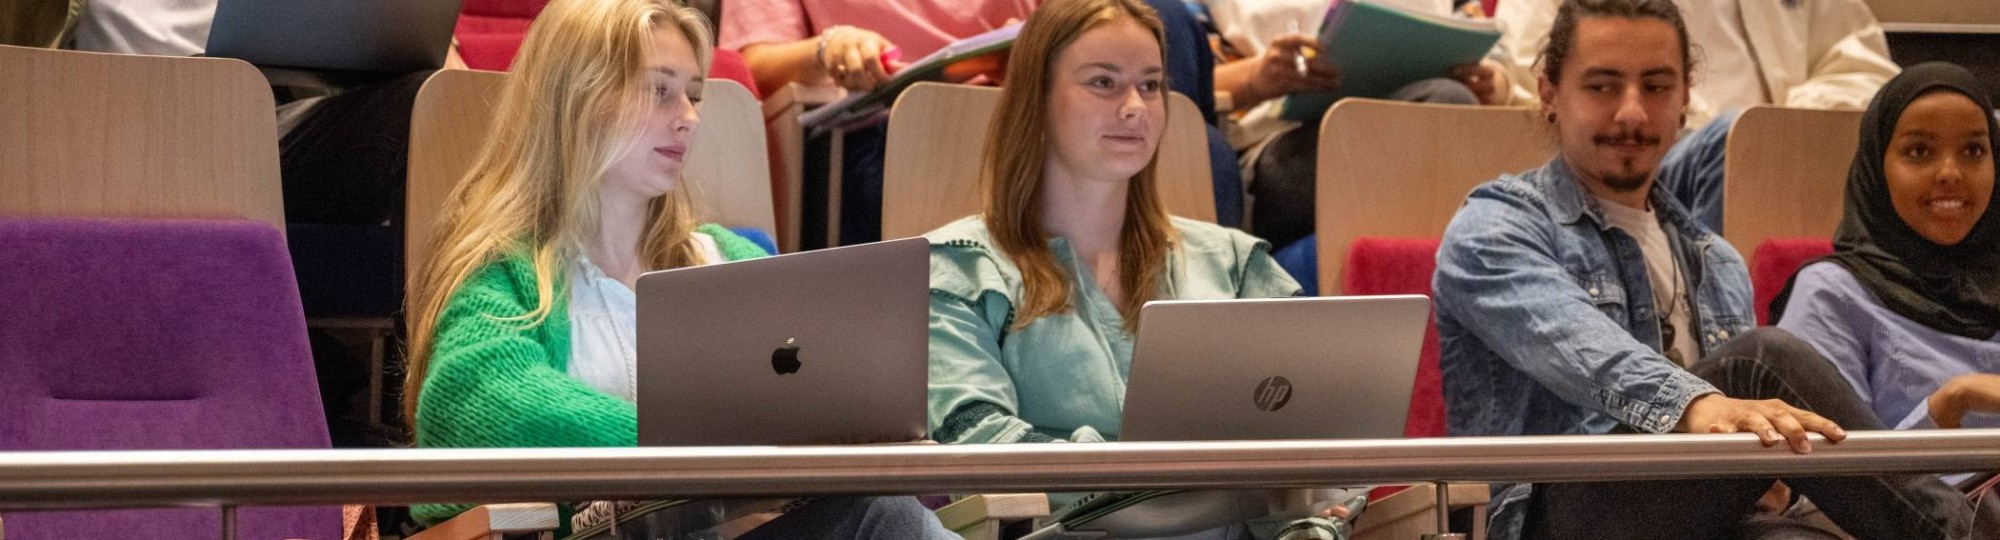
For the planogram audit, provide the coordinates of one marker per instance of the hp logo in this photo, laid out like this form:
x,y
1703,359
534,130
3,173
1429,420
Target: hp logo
x,y
1273,394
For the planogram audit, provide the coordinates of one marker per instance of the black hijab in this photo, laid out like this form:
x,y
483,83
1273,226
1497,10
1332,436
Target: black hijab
x,y
1952,289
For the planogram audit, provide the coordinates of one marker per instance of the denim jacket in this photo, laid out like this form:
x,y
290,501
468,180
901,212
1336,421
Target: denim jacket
x,y
1546,319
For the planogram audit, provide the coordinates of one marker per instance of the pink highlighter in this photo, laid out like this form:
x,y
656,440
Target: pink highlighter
x,y
890,54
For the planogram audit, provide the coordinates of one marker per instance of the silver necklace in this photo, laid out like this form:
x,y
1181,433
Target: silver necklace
x,y
1669,333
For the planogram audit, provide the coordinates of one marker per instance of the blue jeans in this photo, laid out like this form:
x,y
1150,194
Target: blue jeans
x,y
1692,170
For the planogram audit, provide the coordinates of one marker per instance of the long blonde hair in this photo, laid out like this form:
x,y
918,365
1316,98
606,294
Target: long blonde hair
x,y
1017,146
576,87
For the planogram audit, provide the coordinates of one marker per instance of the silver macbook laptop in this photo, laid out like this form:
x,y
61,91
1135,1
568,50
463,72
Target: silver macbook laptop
x,y
1280,368
821,347
388,36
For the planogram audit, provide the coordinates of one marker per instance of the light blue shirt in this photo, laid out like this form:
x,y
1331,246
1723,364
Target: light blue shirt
x,y
1063,376
1894,363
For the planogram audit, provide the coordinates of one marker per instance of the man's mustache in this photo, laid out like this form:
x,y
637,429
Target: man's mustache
x,y
1631,137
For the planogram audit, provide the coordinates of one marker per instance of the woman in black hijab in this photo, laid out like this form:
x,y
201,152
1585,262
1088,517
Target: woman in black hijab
x,y
1908,306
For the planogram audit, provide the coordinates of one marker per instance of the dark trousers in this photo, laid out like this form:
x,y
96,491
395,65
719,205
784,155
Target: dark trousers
x,y
1767,363
346,162
343,170
856,518
1283,189
861,166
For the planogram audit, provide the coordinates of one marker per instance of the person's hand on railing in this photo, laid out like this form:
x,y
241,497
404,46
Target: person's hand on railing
x,y
1971,392
1772,420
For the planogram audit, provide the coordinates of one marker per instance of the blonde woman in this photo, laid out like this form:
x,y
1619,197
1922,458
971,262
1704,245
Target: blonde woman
x,y
522,323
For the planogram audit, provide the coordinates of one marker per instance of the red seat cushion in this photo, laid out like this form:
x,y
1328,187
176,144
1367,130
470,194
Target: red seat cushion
x,y
489,51
1774,262
516,9
729,65
1403,266
490,32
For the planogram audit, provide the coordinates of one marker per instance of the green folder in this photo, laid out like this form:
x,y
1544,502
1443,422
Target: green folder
x,y
1381,48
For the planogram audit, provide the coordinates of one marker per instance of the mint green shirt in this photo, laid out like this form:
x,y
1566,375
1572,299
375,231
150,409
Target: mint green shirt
x,y
1063,376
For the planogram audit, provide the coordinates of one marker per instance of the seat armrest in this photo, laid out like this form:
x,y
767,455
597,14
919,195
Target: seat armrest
x,y
1410,513
980,517
481,523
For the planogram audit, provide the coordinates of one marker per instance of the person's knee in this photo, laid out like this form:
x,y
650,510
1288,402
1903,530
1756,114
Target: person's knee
x,y
1437,90
897,517
1770,340
1770,347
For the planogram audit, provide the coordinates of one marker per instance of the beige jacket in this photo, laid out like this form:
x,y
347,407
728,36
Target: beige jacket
x,y
1819,54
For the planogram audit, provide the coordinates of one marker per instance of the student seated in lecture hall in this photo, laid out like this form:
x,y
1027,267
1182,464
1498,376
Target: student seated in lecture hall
x,y
1034,301
1581,298
522,323
1908,306
1813,54
847,43
1274,50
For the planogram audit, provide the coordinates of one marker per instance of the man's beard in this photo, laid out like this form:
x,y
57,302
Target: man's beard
x,y
1626,183
1629,178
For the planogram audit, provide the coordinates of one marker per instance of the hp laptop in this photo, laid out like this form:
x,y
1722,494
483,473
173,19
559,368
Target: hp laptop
x,y
821,347
1280,368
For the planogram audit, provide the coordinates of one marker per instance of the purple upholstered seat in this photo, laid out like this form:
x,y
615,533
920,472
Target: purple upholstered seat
x,y
154,334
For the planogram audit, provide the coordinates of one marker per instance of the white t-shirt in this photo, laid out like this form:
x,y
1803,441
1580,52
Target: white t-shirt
x,y
150,27
1669,286
603,326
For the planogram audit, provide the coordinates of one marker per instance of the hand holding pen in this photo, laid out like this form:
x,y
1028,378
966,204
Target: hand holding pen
x,y
1285,66
1292,66
1299,56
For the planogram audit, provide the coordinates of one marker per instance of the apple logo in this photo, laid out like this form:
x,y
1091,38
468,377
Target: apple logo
x,y
786,359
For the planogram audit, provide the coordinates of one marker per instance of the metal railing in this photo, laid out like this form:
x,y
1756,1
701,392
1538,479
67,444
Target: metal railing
x,y
55,480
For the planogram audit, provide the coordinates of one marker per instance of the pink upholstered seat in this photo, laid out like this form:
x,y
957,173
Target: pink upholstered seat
x,y
1403,266
1774,262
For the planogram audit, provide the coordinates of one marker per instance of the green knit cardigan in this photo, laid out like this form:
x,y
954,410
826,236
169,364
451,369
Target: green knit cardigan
x,y
496,383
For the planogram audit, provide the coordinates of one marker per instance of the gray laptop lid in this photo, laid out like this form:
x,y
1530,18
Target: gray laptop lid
x,y
1281,368
391,36
716,345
